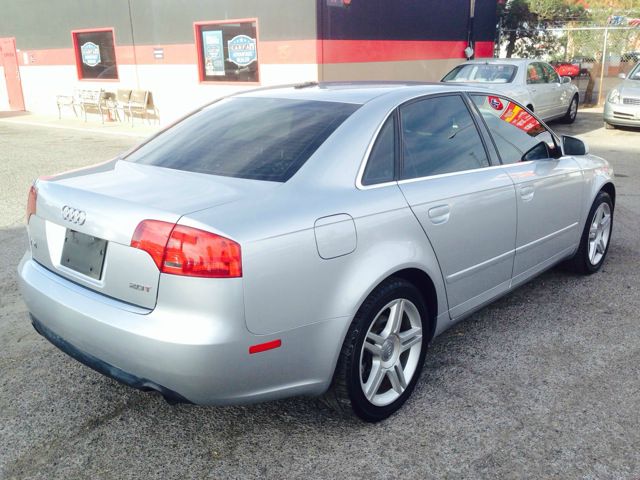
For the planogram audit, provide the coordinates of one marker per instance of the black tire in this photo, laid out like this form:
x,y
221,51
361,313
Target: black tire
x,y
608,126
580,262
570,117
346,393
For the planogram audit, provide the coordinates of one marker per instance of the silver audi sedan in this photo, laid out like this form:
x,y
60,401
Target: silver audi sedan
x,y
307,240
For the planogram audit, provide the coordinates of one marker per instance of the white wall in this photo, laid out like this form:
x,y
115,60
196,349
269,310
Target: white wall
x,y
4,97
175,88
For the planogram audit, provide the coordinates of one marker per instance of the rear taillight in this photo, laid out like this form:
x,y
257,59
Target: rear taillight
x,y
181,250
31,202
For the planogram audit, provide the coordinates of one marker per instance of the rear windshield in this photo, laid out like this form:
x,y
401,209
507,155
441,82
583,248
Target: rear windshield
x,y
482,72
254,138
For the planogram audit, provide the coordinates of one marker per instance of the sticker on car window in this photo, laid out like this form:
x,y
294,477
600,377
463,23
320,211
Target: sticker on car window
x,y
495,103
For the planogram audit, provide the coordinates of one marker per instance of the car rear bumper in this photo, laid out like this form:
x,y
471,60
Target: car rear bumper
x,y
621,114
187,354
103,367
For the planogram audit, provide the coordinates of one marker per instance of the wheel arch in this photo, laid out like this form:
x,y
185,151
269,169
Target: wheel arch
x,y
610,188
427,288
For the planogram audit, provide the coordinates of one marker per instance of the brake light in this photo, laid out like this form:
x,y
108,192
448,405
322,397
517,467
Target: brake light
x,y
187,251
31,202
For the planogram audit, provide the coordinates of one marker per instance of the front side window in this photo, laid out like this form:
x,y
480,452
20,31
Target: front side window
x,y
439,136
227,51
95,54
518,135
635,73
244,137
551,76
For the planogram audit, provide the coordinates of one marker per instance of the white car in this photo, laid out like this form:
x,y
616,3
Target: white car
x,y
533,83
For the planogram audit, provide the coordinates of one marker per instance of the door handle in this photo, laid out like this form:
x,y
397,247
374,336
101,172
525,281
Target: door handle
x,y
526,193
439,214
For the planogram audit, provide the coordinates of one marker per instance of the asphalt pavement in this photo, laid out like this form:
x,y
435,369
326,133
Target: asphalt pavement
x,y
544,383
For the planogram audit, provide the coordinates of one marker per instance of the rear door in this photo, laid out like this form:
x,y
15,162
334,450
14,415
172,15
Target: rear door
x,y
559,98
548,185
466,205
540,90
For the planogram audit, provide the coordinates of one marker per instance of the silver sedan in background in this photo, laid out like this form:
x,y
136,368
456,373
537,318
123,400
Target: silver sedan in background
x,y
533,83
622,107
307,240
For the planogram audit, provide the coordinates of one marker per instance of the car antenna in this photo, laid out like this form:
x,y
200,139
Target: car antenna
x,y
306,85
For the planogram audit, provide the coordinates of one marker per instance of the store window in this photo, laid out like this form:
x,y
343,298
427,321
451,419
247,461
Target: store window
x,y
95,54
227,51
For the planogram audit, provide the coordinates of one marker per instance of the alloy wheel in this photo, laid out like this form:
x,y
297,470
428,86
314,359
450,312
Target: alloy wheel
x,y
390,352
599,233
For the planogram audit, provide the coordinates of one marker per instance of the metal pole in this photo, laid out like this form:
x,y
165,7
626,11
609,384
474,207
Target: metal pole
x,y
604,58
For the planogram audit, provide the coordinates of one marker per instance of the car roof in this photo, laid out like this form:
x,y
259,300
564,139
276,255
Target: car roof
x,y
354,92
511,61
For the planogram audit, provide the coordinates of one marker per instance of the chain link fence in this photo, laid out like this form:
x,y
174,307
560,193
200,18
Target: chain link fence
x,y
595,57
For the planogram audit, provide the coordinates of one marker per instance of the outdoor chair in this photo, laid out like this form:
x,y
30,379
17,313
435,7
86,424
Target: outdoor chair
x,y
71,101
141,104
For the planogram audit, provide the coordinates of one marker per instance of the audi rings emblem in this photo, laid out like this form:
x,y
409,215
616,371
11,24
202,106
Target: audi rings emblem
x,y
73,215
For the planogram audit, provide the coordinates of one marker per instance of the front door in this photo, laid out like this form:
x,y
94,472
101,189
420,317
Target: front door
x,y
548,185
466,206
11,73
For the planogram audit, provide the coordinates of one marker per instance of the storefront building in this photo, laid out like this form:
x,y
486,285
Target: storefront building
x,y
190,52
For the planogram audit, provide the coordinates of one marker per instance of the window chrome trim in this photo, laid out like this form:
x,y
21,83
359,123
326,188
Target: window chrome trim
x,y
450,174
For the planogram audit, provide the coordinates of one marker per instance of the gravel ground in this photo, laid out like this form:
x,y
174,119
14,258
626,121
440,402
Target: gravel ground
x,y
544,383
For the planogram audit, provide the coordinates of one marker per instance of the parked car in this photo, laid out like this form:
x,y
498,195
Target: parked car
x,y
622,107
307,240
585,63
533,83
566,69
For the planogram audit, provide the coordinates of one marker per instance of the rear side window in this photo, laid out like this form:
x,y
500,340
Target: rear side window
x,y
516,132
439,136
253,138
381,164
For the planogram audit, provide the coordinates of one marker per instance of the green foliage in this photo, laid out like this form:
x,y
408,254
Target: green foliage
x,y
525,24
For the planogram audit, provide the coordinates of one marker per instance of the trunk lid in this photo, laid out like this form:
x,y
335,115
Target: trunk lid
x,y
85,220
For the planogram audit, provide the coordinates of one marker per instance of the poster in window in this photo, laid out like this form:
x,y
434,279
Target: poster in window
x,y
242,50
213,52
90,54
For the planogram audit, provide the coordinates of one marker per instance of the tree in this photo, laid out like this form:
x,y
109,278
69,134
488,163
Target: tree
x,y
527,23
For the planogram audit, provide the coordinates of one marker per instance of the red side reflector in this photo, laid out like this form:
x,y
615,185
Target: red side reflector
x,y
263,347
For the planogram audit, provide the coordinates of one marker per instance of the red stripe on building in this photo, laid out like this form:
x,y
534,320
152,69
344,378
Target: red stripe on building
x,y
280,52
353,51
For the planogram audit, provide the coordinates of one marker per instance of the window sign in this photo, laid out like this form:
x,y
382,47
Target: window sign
x,y
242,50
95,54
227,51
213,52
90,54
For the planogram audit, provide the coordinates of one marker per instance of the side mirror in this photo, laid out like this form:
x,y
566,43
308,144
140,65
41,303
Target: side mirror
x,y
574,146
622,75
566,80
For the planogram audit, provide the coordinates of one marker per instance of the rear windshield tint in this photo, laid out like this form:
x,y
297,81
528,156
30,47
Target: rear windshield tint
x,y
482,72
254,138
